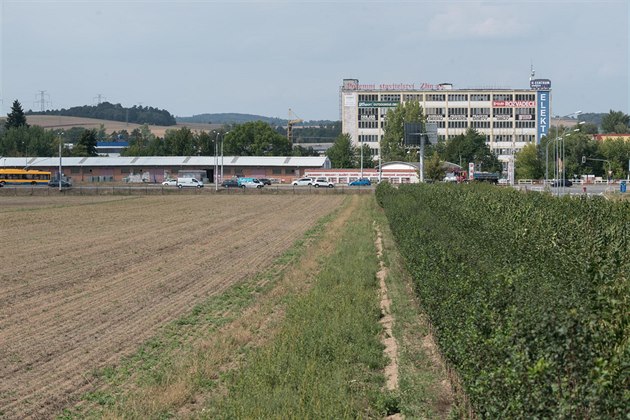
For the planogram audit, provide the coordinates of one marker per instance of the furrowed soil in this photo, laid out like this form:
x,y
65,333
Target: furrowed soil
x,y
85,280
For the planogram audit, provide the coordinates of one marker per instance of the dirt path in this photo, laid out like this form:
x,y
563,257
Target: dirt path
x,y
87,282
387,321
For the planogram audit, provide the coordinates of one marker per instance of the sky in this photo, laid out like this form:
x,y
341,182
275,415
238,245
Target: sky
x,y
266,57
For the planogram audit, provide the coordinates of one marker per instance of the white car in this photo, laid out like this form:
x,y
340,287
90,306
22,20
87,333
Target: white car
x,y
322,182
303,181
170,181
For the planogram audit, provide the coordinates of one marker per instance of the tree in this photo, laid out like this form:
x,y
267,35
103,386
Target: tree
x,y
86,145
16,117
615,122
180,142
342,154
256,139
471,147
392,147
433,168
529,164
368,161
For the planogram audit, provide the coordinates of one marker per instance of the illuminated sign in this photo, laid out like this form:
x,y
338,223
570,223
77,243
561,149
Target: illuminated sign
x,y
542,114
513,104
540,84
525,117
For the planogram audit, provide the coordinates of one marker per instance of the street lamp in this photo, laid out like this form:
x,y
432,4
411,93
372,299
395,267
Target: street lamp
x,y
557,138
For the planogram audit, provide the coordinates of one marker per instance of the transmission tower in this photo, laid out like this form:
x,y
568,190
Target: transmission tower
x,y
43,100
99,98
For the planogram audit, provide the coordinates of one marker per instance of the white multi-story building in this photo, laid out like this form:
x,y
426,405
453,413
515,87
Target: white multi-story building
x,y
509,118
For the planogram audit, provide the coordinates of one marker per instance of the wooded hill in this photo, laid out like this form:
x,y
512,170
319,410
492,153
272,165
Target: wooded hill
x,y
116,112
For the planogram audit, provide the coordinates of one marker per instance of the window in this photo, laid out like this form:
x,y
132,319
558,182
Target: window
x,y
458,111
480,97
457,124
372,97
502,96
276,171
289,171
525,124
363,138
389,97
457,97
480,124
408,97
124,170
436,97
502,124
525,97
480,111
74,170
434,111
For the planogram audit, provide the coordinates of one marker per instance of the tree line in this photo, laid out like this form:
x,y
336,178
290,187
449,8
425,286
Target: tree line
x,y
256,138
116,112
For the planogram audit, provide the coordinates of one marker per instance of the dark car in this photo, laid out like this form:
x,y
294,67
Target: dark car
x,y
55,183
265,181
230,183
561,183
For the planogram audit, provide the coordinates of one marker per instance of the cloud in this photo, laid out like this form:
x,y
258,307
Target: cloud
x,y
478,21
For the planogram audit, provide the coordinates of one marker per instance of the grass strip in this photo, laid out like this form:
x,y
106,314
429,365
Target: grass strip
x,y
424,383
178,362
327,359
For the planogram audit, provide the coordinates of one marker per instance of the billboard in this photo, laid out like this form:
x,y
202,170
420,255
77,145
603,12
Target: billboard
x,y
542,114
540,84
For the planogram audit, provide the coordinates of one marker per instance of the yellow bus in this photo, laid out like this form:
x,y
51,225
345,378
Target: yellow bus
x,y
23,177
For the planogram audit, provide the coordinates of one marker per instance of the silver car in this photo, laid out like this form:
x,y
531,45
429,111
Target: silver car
x,y
303,181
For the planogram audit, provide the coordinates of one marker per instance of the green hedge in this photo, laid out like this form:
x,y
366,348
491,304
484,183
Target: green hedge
x,y
529,294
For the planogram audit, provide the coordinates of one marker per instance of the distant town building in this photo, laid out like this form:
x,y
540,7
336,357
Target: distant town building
x,y
509,118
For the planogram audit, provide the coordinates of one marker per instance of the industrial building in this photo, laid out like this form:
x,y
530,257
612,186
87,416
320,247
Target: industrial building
x,y
157,168
509,118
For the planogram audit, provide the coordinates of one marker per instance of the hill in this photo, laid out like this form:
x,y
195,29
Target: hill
x,y
236,118
115,112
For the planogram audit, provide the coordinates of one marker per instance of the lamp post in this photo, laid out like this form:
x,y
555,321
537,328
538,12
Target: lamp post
x,y
216,163
554,141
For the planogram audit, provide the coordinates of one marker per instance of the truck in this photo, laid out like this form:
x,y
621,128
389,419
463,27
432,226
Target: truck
x,y
491,177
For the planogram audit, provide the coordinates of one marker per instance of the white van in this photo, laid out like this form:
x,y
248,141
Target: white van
x,y
250,183
188,182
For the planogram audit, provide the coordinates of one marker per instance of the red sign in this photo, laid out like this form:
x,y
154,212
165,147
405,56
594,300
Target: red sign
x,y
514,104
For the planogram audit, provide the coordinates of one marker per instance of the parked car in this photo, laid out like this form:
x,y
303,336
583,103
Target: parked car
x,y
303,181
561,183
230,183
360,182
55,183
250,183
189,182
170,182
450,177
322,182
265,181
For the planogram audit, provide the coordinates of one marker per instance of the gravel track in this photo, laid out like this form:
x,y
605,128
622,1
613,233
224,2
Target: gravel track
x,y
88,281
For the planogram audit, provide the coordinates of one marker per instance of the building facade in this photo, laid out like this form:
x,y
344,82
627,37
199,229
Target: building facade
x,y
508,118
155,169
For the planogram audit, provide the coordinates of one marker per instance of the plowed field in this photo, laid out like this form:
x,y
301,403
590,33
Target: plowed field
x,y
85,280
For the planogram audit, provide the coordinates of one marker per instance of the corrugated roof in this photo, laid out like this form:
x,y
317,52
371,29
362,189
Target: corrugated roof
x,y
135,161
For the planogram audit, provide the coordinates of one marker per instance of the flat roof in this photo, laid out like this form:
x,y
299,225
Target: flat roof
x,y
183,161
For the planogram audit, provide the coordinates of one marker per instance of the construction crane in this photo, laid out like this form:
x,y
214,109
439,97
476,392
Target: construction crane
x,y
293,119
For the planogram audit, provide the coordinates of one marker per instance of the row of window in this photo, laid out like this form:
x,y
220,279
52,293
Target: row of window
x,y
367,138
451,97
461,124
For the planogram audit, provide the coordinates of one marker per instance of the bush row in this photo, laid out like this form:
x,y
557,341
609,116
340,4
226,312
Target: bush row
x,y
528,294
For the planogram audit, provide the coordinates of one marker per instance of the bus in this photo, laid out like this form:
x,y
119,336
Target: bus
x,y
23,177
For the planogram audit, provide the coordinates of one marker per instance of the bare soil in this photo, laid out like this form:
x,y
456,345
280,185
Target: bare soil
x,y
85,280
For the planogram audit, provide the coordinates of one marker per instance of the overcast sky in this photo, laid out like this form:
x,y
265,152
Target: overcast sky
x,y
264,57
